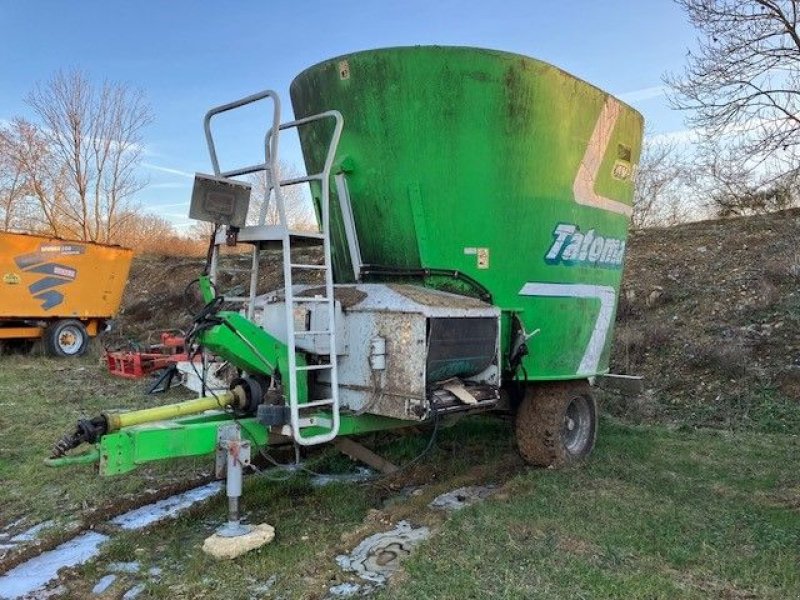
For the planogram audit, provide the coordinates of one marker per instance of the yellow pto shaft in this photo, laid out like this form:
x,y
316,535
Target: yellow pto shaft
x,y
91,430
169,411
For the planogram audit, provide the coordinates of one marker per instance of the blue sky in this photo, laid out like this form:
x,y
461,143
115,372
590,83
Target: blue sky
x,y
190,55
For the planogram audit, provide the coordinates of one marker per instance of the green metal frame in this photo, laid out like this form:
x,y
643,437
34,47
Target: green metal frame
x,y
248,346
121,452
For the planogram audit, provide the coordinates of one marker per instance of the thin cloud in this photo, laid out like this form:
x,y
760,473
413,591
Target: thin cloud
x,y
170,185
694,134
680,136
170,170
648,93
173,205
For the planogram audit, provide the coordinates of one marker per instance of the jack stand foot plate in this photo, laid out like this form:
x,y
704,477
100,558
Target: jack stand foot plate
x,y
227,548
230,530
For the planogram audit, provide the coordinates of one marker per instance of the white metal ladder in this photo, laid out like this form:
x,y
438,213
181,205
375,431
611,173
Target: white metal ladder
x,y
301,415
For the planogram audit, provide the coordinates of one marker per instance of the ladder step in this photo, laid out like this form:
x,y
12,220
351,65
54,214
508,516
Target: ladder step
x,y
314,235
313,367
301,179
314,332
310,267
314,299
315,403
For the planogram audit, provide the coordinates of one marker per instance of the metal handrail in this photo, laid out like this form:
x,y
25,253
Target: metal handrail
x,y
212,149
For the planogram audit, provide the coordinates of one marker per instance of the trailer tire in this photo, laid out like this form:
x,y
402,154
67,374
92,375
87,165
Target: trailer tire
x,y
556,424
66,338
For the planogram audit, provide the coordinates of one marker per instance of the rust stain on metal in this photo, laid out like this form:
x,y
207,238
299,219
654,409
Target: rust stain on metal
x,y
435,298
346,296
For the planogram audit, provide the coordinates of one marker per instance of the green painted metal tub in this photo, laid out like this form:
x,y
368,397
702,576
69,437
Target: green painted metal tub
x,y
499,166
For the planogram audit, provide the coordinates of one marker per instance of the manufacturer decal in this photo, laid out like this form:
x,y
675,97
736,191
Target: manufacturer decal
x,y
573,247
53,274
62,249
621,171
11,278
481,254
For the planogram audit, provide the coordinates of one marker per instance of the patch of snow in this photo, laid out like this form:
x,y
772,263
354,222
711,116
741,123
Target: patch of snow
x,y
380,555
103,584
361,474
32,575
8,527
56,592
134,592
263,588
348,590
124,567
463,497
38,571
32,533
168,508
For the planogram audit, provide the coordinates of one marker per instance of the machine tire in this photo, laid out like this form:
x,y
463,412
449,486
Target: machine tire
x,y
66,338
546,419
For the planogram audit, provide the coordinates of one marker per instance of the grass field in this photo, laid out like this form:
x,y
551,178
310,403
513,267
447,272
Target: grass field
x,y
41,399
655,513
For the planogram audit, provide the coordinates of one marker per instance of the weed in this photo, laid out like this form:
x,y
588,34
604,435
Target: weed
x,y
783,270
636,341
731,360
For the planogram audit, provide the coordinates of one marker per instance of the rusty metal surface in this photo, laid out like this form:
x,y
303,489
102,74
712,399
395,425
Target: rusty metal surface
x,y
435,298
347,296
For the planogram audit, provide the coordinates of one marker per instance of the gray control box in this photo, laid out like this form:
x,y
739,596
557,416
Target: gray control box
x,y
219,200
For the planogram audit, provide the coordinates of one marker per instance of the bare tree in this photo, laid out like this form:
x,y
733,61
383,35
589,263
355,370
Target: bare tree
x,y
297,199
666,186
656,173
732,191
94,134
42,182
12,186
742,85
142,231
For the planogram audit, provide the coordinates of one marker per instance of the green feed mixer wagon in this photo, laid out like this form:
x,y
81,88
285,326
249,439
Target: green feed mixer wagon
x,y
472,210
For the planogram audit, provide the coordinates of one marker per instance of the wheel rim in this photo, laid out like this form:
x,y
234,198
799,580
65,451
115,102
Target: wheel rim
x,y
70,340
577,432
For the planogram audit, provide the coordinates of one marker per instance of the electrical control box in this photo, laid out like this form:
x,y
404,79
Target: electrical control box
x,y
219,200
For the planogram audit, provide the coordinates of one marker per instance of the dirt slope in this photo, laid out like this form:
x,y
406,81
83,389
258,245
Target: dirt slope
x,y
709,314
160,294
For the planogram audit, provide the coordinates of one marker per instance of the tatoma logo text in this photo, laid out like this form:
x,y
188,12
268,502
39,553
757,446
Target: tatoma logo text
x,y
571,247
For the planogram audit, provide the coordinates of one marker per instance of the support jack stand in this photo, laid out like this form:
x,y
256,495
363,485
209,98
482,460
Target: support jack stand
x,y
234,538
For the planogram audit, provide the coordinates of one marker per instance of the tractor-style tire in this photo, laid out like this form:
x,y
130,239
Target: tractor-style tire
x,y
556,424
66,338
